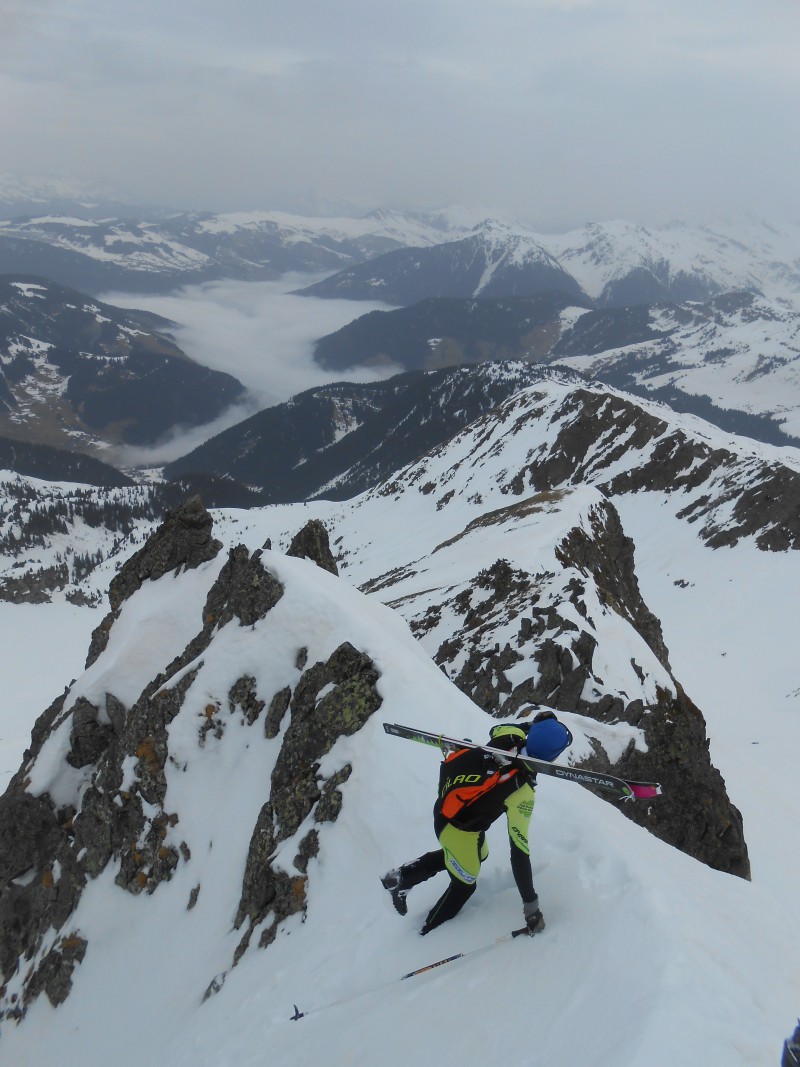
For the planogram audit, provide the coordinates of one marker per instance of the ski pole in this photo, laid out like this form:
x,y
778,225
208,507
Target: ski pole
x,y
463,955
412,974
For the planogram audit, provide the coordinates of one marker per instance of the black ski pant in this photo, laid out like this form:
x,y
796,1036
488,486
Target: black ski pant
x,y
454,897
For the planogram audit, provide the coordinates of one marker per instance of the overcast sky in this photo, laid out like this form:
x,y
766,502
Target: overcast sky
x,y
556,111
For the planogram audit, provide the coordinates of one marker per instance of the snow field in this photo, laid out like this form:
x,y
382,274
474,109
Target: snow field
x,y
647,955
43,647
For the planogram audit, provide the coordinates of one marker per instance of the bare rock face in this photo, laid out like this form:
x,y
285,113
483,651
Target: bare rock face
x,y
349,679
607,553
695,813
182,540
312,543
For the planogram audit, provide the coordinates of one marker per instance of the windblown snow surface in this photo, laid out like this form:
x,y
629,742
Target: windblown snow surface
x,y
648,957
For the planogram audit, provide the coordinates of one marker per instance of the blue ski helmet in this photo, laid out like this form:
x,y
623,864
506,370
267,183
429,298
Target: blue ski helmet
x,y
547,737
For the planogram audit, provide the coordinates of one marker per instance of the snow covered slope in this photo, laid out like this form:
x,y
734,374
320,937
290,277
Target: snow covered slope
x,y
647,955
618,263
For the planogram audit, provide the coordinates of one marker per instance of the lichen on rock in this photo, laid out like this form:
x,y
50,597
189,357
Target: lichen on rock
x,y
296,789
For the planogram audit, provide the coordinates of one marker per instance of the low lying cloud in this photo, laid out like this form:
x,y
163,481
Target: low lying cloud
x,y
258,332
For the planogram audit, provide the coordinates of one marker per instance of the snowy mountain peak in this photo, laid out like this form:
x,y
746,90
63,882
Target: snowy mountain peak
x,y
123,785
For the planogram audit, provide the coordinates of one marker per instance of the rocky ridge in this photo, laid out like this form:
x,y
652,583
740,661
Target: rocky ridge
x,y
548,629
565,433
97,787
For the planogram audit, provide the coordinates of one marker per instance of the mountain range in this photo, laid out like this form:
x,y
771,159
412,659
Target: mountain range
x,y
703,319
453,252
733,359
336,442
613,264
191,842
157,252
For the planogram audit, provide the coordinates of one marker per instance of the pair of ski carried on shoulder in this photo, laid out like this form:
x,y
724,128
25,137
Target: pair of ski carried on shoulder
x,y
622,787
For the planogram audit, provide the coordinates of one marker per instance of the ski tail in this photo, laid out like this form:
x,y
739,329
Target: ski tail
x,y
645,790
423,736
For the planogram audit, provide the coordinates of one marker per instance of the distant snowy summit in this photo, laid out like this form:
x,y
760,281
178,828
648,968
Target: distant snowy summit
x,y
494,261
157,252
611,264
393,255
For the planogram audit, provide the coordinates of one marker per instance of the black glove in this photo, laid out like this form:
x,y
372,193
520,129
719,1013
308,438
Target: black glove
x,y
534,919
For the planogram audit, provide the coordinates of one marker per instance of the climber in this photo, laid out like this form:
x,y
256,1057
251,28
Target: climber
x,y
475,789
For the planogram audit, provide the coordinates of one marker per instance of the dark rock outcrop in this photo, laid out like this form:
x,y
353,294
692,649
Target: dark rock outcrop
x,y
312,542
182,540
331,699
41,880
34,587
607,554
694,813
